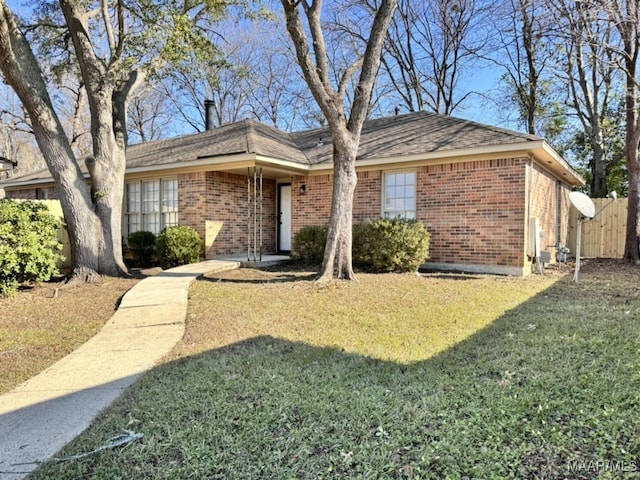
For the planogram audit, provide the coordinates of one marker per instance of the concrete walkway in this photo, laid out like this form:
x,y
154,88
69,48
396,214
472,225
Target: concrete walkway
x,y
46,412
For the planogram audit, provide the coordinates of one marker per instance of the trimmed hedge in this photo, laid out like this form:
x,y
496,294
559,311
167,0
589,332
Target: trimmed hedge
x,y
308,245
385,245
178,245
143,247
390,245
29,244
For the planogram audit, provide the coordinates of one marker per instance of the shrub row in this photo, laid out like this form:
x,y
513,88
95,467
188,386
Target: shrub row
x,y
385,245
174,246
29,245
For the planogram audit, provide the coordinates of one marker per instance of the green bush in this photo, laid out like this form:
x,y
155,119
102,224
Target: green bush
x,y
390,245
308,245
29,244
178,246
143,247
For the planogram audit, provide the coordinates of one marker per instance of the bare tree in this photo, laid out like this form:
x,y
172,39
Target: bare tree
x,y
149,115
522,52
311,51
278,94
16,136
589,69
429,46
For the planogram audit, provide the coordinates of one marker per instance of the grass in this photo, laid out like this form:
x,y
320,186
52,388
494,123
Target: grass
x,y
519,378
41,324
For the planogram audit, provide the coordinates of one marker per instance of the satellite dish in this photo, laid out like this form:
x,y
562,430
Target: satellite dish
x,y
583,204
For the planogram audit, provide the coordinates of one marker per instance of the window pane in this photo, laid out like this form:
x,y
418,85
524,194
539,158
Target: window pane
x,y
391,180
151,222
410,204
132,222
410,178
400,192
151,196
133,197
169,195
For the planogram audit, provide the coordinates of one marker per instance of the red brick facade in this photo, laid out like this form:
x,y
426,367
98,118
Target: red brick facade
x,y
550,204
222,198
476,211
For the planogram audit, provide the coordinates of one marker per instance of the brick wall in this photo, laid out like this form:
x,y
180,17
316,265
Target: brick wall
x,y
475,211
33,193
314,207
550,204
222,198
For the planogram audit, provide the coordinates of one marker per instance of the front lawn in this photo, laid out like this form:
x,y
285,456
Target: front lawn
x,y
438,376
43,323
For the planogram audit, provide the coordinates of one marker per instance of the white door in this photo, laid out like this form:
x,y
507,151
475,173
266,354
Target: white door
x,y
284,218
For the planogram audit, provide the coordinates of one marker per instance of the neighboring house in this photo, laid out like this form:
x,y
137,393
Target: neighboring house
x,y
487,195
6,164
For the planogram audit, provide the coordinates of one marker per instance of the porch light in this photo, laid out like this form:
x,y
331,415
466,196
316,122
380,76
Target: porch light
x,y
303,189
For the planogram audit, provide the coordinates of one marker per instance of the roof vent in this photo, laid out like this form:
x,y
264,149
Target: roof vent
x,y
320,142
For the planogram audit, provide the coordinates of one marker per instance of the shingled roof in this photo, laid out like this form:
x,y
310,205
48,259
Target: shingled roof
x,y
399,136
410,134
247,136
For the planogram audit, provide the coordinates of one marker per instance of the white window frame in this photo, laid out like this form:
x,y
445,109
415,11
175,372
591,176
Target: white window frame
x,y
151,215
393,211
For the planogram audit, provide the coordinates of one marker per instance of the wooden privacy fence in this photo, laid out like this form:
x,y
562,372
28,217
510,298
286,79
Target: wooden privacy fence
x,y
604,235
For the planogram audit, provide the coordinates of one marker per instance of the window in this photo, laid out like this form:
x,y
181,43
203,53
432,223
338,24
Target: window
x,y
400,195
150,205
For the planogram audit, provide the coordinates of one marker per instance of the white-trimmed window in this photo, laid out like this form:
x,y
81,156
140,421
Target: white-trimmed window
x,y
399,195
150,205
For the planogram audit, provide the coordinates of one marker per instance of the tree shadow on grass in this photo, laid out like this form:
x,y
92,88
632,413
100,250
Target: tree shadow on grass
x,y
545,391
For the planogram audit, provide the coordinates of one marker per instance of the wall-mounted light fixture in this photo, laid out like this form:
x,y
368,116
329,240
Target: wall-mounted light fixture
x,y
303,189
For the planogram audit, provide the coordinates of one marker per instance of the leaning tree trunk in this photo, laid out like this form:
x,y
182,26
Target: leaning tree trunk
x,y
337,259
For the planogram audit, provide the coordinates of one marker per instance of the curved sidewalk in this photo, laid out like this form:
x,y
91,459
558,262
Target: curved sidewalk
x,y
46,412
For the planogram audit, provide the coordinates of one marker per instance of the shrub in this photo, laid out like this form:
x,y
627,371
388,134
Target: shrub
x,y
308,245
143,247
29,244
390,245
178,246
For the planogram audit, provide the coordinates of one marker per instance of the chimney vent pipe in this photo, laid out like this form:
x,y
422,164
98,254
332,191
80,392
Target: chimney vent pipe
x,y
209,114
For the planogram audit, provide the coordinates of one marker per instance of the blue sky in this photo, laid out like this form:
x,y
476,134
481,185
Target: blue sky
x,y
484,81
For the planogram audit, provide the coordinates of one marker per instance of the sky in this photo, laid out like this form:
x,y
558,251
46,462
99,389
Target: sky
x,y
476,108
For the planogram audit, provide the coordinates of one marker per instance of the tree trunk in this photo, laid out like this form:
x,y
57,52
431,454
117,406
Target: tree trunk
x,y
107,168
632,237
95,245
337,258
22,72
632,141
598,168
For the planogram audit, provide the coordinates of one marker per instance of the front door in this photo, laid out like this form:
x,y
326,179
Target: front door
x,y
284,217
